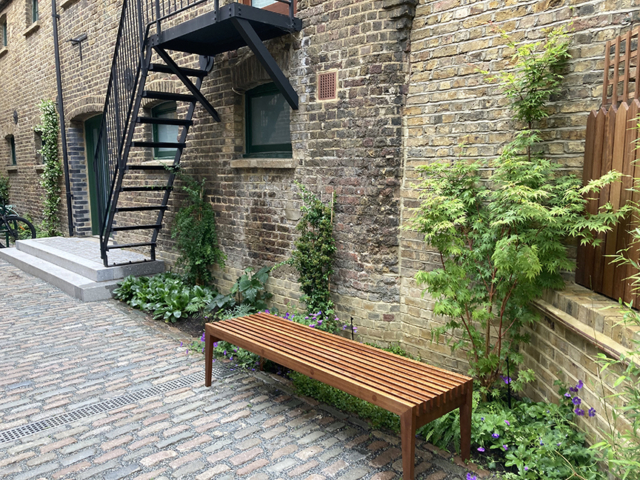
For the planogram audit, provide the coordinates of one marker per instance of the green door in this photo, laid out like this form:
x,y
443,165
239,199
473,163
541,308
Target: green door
x,y
91,132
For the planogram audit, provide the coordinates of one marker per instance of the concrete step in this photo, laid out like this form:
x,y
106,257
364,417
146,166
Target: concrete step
x,y
51,251
72,283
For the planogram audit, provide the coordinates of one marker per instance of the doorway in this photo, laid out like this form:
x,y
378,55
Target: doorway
x,y
91,133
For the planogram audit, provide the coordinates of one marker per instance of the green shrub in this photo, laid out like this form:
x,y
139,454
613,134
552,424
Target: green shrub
x,y
4,190
249,291
502,244
166,296
52,174
195,233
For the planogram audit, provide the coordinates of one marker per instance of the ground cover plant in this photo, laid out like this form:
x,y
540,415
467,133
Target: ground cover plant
x,y
4,190
503,241
166,296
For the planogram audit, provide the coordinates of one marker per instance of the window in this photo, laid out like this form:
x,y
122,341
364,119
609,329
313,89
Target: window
x,y
3,31
165,133
34,11
37,140
12,149
267,123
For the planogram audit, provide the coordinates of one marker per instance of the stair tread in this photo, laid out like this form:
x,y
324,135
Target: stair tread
x,y
159,144
191,72
145,188
141,209
166,121
180,97
130,245
163,167
136,227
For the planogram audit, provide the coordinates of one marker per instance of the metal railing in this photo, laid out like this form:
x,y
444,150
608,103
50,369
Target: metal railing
x,y
136,21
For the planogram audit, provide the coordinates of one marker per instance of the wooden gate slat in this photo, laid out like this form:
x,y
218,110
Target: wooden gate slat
x,y
605,82
617,158
605,166
633,253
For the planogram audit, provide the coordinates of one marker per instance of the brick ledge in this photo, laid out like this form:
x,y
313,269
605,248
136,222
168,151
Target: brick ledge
x,y
3,51
264,163
31,29
599,340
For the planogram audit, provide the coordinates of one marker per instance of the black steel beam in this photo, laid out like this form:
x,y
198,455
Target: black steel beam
x,y
264,57
188,83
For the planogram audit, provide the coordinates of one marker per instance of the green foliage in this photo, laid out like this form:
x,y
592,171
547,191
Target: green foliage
x,y
314,253
4,190
621,446
166,296
50,178
195,233
249,291
502,244
540,438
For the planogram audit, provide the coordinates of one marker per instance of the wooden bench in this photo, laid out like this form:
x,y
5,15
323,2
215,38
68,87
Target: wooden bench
x,y
417,392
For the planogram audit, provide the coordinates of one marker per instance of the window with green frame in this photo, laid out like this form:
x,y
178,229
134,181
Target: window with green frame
x,y
3,31
34,11
12,149
165,133
267,122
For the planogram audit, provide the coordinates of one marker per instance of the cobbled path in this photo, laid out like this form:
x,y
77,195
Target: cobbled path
x,y
57,355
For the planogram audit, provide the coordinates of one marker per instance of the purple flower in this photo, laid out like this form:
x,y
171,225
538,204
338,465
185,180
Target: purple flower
x,y
482,419
573,390
506,380
579,385
495,435
576,401
267,311
313,325
526,469
568,395
481,449
224,353
507,422
579,412
592,412
505,447
541,443
215,344
319,322
344,327
231,357
471,477
355,329
180,343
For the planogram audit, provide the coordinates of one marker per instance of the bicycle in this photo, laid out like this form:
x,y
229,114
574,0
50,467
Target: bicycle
x,y
13,227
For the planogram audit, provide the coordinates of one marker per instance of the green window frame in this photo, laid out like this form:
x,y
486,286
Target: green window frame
x,y
165,133
12,146
35,15
3,32
268,123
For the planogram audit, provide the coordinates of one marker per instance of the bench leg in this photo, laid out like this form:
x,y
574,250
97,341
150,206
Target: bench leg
x,y
208,357
465,423
408,435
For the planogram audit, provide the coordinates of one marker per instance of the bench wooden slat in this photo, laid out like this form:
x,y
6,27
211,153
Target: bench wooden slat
x,y
408,365
327,362
350,362
310,369
419,393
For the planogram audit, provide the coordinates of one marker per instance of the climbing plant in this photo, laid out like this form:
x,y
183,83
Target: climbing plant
x,y
4,190
195,233
52,174
502,242
314,253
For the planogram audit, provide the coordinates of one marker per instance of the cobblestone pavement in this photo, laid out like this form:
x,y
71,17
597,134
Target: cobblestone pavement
x,y
58,355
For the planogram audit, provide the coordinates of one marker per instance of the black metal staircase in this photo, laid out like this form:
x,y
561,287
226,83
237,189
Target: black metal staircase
x,y
140,38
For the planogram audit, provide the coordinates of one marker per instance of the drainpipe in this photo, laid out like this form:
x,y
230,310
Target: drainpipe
x,y
63,129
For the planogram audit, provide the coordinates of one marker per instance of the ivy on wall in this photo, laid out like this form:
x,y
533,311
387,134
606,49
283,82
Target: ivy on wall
x,y
52,174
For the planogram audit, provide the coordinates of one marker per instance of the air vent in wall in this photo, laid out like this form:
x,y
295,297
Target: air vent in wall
x,y
327,85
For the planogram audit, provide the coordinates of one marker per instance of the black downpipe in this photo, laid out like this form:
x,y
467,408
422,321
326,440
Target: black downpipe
x,y
63,129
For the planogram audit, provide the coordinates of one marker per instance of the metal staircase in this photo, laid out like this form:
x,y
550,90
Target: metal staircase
x,y
122,134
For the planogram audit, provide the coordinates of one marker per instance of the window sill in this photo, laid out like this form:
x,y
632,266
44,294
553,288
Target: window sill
x,y
67,3
157,163
3,51
39,168
12,169
264,163
31,29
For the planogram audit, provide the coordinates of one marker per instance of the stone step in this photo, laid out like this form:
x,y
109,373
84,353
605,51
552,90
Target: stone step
x,y
51,251
72,283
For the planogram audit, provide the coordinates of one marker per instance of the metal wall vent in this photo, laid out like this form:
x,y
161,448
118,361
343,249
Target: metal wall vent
x,y
327,85
17,433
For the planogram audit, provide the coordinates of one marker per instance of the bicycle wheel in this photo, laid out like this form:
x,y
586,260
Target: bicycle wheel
x,y
15,228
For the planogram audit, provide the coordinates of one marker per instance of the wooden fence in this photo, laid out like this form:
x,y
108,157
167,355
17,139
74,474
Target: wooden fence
x,y
611,143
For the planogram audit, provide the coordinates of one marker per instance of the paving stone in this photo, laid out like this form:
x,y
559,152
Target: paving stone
x,y
213,472
158,457
81,455
283,465
122,472
246,456
72,469
174,439
303,468
355,473
335,467
189,469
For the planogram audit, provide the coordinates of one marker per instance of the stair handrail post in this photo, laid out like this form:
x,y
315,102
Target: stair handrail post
x,y
291,12
216,6
158,16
